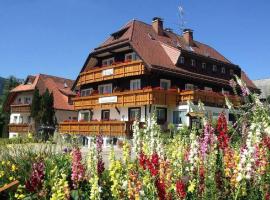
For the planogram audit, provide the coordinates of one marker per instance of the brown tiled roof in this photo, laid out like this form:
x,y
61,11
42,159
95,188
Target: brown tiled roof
x,y
61,88
249,82
159,52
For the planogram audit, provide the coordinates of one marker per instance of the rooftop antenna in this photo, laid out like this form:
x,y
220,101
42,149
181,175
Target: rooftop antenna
x,y
182,19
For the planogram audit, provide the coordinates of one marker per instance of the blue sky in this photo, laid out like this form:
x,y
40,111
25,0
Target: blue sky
x,y
55,36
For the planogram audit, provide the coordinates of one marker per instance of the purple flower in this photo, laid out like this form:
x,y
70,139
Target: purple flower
x,y
37,176
207,139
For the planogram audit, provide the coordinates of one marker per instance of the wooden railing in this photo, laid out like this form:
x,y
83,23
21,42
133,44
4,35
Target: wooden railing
x,y
208,97
20,128
120,70
108,128
127,99
20,108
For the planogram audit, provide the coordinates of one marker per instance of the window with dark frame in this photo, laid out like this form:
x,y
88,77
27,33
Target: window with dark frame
x,y
105,115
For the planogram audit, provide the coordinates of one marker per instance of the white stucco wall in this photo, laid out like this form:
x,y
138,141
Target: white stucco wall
x,y
23,96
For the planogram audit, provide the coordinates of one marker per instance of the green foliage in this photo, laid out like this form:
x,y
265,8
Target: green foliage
x,y
268,99
47,112
9,84
35,107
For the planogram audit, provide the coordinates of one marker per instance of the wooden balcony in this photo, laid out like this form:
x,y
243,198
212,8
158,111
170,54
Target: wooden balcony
x,y
120,70
127,99
208,97
20,108
20,128
92,128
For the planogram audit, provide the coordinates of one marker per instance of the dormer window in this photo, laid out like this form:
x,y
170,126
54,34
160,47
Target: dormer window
x,y
108,62
214,68
193,63
203,65
182,60
223,71
131,56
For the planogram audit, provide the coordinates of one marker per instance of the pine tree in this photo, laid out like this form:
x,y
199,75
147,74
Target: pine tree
x,y
35,107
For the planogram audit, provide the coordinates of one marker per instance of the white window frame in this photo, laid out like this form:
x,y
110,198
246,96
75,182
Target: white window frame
x,y
165,81
223,70
137,81
105,85
189,86
214,68
133,55
182,59
27,100
204,65
106,62
85,90
193,62
15,119
83,112
209,89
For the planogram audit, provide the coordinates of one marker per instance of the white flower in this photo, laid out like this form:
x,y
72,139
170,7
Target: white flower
x,y
239,177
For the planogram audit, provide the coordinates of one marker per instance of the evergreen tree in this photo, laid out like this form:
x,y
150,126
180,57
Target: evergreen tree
x,y
46,109
9,84
35,107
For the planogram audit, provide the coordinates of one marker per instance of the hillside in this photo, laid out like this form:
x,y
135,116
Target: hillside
x,y
2,80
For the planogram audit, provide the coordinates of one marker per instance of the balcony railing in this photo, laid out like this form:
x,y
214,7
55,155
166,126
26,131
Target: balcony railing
x,y
20,128
108,128
127,99
208,97
120,70
20,108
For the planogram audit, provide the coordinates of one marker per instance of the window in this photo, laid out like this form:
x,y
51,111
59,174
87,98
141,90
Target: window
x,y
19,101
21,120
189,86
161,115
223,70
193,63
134,114
131,56
105,89
105,114
86,92
225,92
208,89
15,119
203,65
27,100
179,117
214,68
85,116
135,84
231,72
165,84
182,60
107,62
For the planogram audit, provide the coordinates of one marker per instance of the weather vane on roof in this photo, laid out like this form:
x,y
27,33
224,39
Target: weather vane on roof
x,y
181,15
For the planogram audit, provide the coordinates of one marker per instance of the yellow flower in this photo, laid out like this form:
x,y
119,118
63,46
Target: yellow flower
x,y
191,186
13,168
3,162
2,173
11,178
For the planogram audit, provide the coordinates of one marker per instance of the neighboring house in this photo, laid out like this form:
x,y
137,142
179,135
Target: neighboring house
x,y
141,69
264,86
20,100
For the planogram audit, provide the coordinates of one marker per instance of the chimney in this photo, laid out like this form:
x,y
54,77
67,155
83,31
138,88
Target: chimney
x,y
188,36
157,25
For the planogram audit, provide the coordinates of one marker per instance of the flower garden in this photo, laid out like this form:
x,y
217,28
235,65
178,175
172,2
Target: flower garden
x,y
219,161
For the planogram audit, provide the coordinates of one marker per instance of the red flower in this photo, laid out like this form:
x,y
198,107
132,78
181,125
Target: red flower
x,y
155,159
161,189
222,129
181,189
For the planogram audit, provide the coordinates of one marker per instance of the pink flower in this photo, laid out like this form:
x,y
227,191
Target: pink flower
x,y
37,176
77,168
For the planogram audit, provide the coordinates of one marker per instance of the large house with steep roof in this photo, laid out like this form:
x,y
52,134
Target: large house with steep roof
x,y
143,69
20,99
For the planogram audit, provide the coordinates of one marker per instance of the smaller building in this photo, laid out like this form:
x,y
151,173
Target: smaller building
x,y
20,99
264,86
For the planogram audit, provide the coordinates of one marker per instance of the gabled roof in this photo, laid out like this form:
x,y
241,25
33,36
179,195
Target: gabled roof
x,y
160,52
61,88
